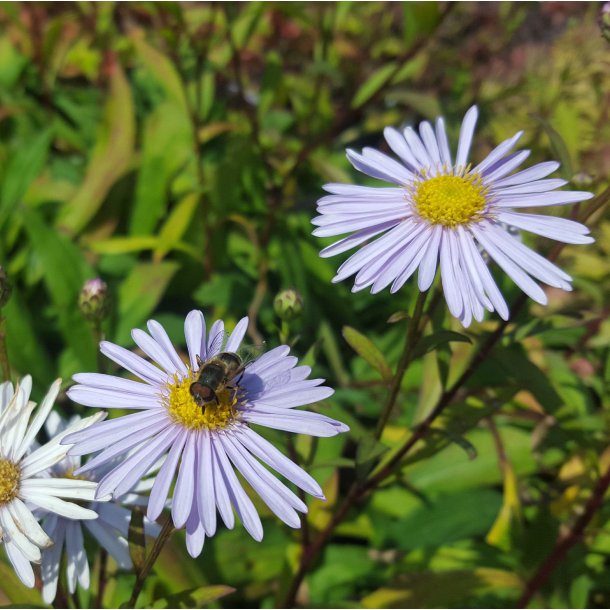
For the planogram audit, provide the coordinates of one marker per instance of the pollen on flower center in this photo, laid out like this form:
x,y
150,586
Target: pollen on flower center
x,y
10,476
185,411
450,200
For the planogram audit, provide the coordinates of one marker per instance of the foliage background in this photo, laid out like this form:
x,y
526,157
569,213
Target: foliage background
x,y
177,150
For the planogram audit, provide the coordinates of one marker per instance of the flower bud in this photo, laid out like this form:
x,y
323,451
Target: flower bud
x,y
288,304
6,288
604,20
94,301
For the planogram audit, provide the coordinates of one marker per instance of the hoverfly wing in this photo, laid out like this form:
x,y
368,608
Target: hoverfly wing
x,y
249,353
217,343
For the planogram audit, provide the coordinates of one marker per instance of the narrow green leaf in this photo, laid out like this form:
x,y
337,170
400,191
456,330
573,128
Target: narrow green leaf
x,y
112,155
194,598
366,349
438,338
21,169
373,84
136,538
140,293
398,316
178,222
560,150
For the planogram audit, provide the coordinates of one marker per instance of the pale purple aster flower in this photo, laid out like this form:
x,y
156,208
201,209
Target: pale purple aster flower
x,y
110,529
442,208
24,482
209,443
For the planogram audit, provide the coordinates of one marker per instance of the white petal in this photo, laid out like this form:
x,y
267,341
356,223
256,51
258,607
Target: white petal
x,y
398,144
243,505
185,483
160,336
427,267
540,170
134,364
22,566
164,478
206,497
269,454
497,153
27,523
510,268
237,335
194,332
466,133
443,143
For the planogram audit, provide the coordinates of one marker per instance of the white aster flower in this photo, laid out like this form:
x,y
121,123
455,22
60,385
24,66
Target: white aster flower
x,y
209,442
24,483
445,209
110,529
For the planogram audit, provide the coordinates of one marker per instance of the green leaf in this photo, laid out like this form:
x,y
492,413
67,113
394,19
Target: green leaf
x,y
398,316
111,157
366,349
194,598
510,513
174,228
167,146
21,168
444,589
558,146
438,338
64,273
140,293
136,538
373,84
161,68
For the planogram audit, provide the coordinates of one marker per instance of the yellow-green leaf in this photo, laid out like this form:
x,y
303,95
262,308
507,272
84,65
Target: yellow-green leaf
x,y
365,348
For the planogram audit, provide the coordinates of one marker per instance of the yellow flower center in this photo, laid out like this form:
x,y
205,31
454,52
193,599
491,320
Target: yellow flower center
x,y
10,477
185,411
450,200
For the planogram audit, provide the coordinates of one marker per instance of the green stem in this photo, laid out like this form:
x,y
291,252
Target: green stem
x,y
164,535
101,583
411,339
4,361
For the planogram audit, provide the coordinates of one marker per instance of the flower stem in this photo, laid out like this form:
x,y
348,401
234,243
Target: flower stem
x,y
359,490
101,583
4,361
566,541
412,337
164,535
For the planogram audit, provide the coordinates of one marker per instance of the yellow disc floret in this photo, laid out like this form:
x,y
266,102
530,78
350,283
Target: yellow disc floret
x,y
186,412
450,200
10,476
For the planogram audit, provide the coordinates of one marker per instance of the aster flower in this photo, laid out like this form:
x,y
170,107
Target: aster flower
x,y
24,484
110,529
209,442
444,209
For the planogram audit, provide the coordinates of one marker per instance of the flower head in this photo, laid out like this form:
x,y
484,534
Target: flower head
x,y
444,209
25,484
204,441
110,529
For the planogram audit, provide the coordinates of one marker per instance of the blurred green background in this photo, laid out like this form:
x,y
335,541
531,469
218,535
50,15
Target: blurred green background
x,y
177,151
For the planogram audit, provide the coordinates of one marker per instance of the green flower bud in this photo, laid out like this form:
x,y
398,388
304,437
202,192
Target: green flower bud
x,y
288,304
94,301
6,288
